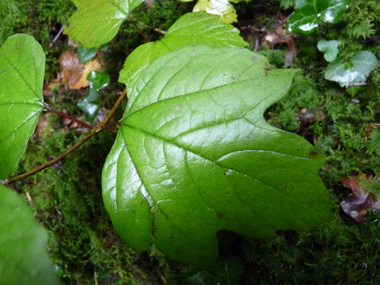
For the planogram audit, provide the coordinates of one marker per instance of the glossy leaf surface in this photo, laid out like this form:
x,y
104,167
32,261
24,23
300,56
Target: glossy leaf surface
x,y
305,18
22,67
355,70
194,155
85,54
98,80
89,104
96,22
191,29
23,256
329,48
222,8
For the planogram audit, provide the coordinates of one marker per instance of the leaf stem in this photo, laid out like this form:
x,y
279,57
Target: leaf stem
x,y
141,32
68,117
98,128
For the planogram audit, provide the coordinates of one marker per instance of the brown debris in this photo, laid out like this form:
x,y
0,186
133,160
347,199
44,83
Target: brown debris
x,y
357,203
75,73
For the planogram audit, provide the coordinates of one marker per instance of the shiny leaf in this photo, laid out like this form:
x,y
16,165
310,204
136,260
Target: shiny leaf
x,y
222,8
194,155
355,70
89,104
98,80
23,255
329,48
85,54
191,29
22,67
305,18
96,22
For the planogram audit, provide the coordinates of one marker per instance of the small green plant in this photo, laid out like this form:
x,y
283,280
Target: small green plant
x,y
193,155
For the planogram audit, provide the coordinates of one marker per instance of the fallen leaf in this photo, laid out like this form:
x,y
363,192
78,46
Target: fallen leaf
x,y
282,36
357,203
75,73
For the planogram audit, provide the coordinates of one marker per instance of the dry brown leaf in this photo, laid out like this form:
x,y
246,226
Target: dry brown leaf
x,y
75,73
280,36
356,204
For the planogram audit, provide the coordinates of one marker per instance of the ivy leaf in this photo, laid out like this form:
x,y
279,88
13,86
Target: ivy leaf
x,y
98,80
22,67
96,22
89,104
354,70
85,54
329,48
305,18
23,256
191,29
194,155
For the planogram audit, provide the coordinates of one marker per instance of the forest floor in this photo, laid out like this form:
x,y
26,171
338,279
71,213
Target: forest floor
x,y
67,198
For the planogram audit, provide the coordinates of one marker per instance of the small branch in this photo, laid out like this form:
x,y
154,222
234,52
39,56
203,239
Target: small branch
x,y
357,84
113,110
141,32
51,162
68,117
57,36
97,129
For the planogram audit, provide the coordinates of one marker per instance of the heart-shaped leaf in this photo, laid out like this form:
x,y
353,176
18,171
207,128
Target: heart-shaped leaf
x,y
305,18
329,48
191,29
22,67
23,256
354,70
89,104
194,155
85,54
96,22
98,80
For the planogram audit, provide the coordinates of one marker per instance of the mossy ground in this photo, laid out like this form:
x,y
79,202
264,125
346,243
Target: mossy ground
x,y
67,198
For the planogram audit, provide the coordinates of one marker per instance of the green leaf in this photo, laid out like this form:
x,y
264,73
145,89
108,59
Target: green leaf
x,y
22,67
191,29
355,70
194,155
329,48
85,54
98,80
96,22
89,104
23,256
305,18
228,271
222,8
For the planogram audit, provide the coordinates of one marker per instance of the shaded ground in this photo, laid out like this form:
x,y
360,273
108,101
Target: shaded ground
x,y
67,198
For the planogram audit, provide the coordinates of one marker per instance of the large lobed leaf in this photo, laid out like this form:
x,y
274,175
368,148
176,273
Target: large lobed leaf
x,y
308,12
22,67
194,155
23,256
96,22
191,29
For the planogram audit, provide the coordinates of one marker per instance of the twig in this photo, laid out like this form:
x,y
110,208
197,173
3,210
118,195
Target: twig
x,y
357,84
68,117
160,31
141,32
57,36
98,128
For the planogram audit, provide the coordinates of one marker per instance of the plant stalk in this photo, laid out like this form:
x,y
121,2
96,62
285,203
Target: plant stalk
x,y
98,128
141,32
68,117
